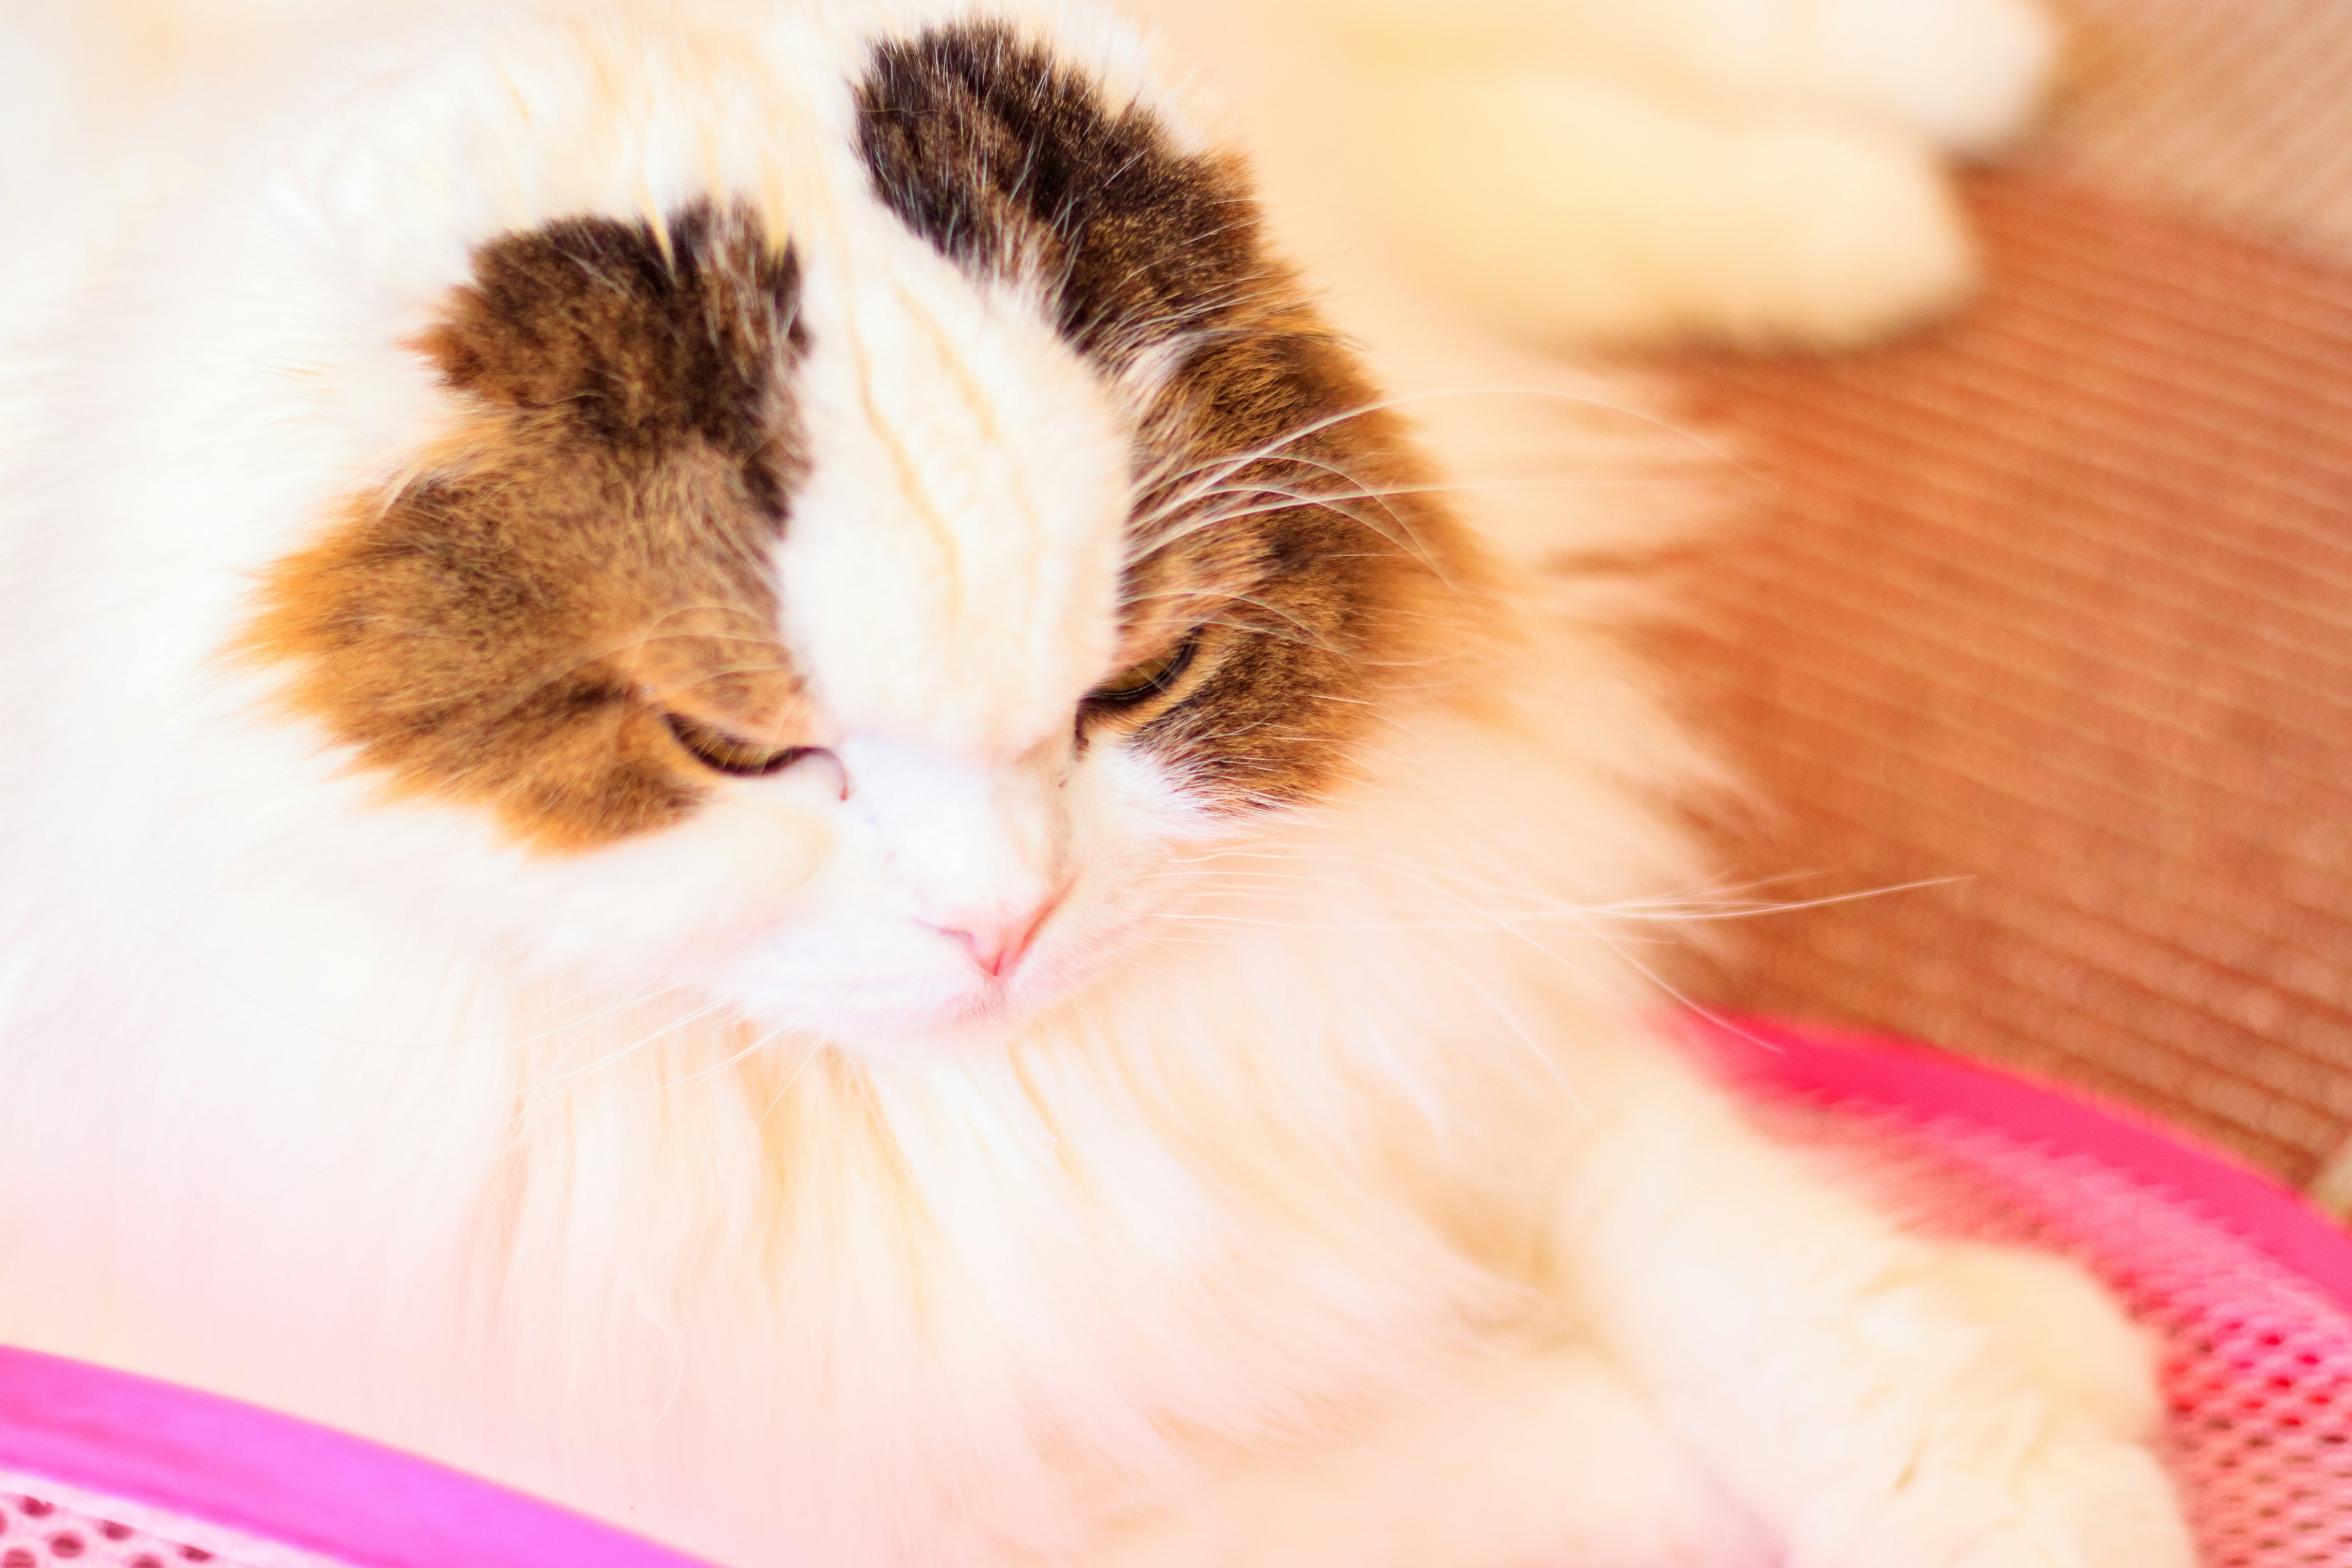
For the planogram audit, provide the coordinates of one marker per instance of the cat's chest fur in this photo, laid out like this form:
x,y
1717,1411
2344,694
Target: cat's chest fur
x,y
934,1312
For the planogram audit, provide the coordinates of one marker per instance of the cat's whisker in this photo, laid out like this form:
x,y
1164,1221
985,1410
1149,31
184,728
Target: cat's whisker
x,y
1534,910
1146,530
758,1043
564,1020
1545,1058
1228,464
814,1049
561,1081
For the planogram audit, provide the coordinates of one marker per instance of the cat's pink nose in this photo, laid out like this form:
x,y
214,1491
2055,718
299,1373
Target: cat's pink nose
x,y
999,940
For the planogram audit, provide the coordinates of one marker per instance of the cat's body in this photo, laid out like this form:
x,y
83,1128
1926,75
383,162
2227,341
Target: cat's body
x,y
750,785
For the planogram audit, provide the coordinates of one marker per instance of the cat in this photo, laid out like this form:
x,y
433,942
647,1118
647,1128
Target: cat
x,y
752,784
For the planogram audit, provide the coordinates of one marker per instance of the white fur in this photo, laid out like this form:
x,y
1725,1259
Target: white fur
x,y
1767,171
1317,1192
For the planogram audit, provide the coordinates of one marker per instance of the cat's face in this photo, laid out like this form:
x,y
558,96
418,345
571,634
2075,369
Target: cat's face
x,y
861,615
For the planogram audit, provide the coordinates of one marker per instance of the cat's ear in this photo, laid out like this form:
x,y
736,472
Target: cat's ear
x,y
1021,162
1123,64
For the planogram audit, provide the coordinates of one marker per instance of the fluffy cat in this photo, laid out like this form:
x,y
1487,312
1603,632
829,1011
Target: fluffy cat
x,y
751,784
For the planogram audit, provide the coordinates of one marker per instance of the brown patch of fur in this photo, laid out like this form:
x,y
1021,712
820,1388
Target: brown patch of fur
x,y
1009,163
590,548
1299,526
1325,571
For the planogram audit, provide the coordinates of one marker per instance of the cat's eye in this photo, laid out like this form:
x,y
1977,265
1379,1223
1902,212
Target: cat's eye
x,y
731,754
1141,682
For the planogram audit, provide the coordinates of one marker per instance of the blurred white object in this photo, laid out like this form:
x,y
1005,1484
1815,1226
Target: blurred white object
x,y
1760,172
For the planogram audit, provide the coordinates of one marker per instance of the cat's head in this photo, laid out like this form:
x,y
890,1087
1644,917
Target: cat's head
x,y
841,517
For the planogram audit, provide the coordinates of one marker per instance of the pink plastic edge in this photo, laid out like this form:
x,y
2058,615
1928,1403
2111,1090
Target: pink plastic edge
x,y
338,1497
1851,1068
280,1480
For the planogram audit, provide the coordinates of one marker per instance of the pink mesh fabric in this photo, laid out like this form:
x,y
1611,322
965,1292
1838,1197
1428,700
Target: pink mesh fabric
x,y
37,1532
2257,1359
45,1522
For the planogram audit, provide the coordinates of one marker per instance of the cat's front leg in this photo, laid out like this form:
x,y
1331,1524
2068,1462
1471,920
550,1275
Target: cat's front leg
x,y
1882,1401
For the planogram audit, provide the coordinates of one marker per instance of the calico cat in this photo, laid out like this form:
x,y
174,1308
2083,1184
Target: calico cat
x,y
750,783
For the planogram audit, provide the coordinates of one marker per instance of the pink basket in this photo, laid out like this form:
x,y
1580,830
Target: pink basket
x,y
2249,1287
2251,1290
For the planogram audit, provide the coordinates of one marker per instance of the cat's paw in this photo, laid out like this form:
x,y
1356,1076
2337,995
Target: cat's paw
x,y
1969,74
1566,209
2049,1470
2076,1499
1851,238
2075,1342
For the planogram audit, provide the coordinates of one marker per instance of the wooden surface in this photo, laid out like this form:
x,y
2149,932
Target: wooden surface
x,y
2056,603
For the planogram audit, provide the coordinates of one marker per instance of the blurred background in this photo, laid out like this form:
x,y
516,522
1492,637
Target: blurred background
x,y
2050,608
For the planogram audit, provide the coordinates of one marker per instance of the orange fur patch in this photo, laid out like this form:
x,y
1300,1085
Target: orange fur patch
x,y
589,551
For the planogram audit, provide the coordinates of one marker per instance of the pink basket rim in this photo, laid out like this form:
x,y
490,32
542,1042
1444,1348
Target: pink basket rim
x,y
283,1481
1851,1068
287,1481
